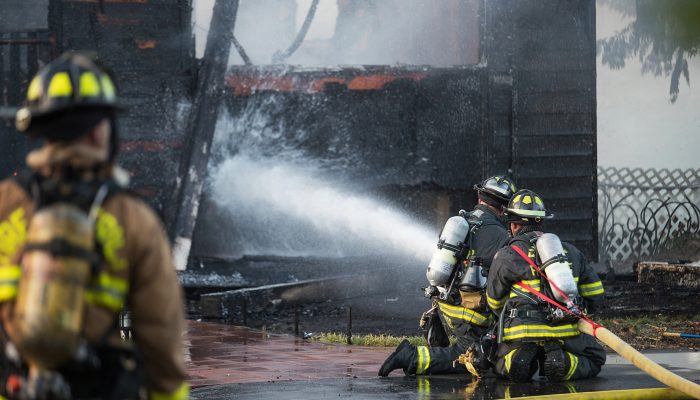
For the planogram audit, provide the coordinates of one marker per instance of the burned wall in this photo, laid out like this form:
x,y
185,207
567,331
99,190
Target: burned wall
x,y
421,137
542,107
148,46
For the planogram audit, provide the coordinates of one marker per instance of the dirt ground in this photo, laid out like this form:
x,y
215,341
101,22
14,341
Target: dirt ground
x,y
646,332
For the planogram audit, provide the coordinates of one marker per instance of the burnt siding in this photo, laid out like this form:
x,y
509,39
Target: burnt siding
x,y
149,48
554,112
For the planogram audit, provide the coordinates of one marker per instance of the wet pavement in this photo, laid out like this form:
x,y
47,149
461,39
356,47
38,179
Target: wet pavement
x,y
225,362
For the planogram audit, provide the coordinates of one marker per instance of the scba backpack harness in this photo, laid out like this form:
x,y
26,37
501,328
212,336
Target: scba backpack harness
x,y
59,260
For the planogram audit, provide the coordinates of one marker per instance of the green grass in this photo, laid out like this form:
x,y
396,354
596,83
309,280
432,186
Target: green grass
x,y
369,340
642,332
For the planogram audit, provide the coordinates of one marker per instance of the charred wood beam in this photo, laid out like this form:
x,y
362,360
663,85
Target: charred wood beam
x,y
242,52
200,127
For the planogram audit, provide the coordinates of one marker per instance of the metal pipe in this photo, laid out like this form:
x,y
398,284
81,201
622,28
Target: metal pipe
x,y
682,334
296,321
349,330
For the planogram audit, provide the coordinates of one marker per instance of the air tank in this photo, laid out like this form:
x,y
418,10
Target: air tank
x,y
450,245
555,265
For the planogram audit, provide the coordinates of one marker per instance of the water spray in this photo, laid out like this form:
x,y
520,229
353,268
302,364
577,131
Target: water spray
x,y
289,208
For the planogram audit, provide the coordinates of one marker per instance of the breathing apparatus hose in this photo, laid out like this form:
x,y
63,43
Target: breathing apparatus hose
x,y
587,326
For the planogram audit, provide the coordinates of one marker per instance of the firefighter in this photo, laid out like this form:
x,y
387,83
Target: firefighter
x,y
532,331
70,231
462,313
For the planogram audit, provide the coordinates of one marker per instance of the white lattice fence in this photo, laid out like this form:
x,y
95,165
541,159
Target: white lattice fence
x,y
643,212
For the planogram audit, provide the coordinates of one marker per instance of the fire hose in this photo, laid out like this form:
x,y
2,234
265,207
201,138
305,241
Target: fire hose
x,y
628,394
587,326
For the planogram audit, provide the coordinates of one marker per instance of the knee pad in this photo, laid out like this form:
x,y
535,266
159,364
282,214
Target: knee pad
x,y
557,363
522,363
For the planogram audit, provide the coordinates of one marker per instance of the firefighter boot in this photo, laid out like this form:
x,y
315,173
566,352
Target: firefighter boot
x,y
402,357
556,362
523,363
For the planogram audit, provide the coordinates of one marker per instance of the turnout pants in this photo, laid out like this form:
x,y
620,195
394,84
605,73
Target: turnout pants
x,y
585,357
442,359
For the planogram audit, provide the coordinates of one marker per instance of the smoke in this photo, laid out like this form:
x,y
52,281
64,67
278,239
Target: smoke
x,y
359,32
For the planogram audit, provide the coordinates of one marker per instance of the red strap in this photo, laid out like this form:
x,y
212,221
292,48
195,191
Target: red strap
x,y
546,298
533,265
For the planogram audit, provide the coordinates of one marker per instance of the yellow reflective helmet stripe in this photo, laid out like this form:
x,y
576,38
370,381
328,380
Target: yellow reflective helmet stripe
x,y
573,364
181,393
60,85
108,89
34,90
423,360
539,201
527,199
89,85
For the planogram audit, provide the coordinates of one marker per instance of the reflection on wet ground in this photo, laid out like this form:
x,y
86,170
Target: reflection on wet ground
x,y
219,354
235,362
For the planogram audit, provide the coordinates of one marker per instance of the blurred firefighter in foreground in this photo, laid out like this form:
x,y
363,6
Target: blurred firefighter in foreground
x,y
531,330
75,249
457,275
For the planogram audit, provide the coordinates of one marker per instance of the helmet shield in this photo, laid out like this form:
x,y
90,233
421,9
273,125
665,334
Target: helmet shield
x,y
527,208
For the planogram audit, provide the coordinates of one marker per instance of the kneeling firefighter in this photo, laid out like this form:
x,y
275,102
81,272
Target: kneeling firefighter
x,y
535,271
75,248
457,276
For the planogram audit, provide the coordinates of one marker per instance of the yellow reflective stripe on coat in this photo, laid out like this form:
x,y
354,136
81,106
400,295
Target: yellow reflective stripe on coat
x,y
515,290
423,360
182,393
540,331
591,289
464,314
9,281
495,304
110,234
573,360
108,291
13,234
